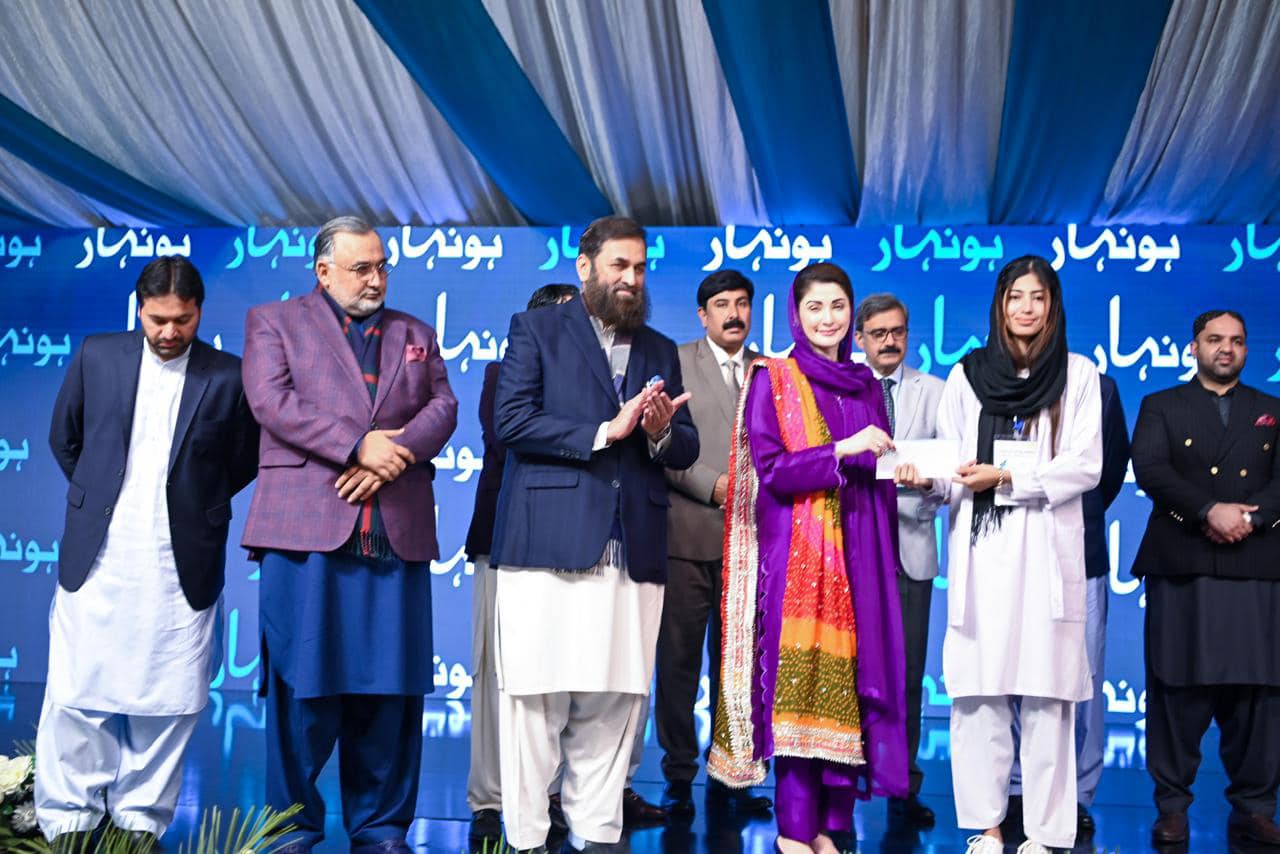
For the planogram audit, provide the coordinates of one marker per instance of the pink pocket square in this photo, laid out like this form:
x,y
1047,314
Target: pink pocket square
x,y
415,353
1265,420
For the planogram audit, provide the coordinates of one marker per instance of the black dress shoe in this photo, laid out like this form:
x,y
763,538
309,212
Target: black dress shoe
x,y
485,824
1253,827
1084,823
1170,829
677,800
637,812
742,800
911,812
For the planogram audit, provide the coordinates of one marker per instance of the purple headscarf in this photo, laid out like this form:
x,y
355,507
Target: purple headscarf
x,y
841,376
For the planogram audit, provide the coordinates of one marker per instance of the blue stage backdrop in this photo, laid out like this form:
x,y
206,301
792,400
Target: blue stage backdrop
x,y
1131,295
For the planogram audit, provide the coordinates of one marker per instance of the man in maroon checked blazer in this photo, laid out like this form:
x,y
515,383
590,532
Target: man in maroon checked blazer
x,y
354,402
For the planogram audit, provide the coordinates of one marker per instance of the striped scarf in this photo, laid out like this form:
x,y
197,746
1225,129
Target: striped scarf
x,y
369,539
815,710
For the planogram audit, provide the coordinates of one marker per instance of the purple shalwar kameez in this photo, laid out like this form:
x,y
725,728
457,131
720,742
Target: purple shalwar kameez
x,y
817,795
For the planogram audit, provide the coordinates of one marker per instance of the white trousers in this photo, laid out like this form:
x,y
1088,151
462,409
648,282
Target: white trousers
x,y
637,744
982,758
484,785
594,733
89,764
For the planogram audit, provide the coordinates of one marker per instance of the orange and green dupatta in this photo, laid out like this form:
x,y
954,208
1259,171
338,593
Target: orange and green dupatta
x,y
815,708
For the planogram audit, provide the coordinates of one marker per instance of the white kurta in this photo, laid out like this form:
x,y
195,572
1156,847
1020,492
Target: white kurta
x,y
127,641
1016,597
576,631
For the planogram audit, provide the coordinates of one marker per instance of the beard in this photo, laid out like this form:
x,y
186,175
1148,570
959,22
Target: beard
x,y
625,315
1222,373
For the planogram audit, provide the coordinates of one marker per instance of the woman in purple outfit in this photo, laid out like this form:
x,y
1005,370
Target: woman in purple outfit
x,y
812,663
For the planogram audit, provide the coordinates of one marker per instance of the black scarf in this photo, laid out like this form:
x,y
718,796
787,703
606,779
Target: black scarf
x,y
1004,395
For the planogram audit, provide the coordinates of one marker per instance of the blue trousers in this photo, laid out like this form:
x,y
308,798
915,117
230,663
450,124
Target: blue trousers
x,y
379,741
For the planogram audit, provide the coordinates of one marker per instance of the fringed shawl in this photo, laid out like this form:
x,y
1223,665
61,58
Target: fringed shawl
x,y
815,710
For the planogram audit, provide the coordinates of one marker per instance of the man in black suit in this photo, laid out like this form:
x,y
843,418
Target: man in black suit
x,y
1205,453
154,435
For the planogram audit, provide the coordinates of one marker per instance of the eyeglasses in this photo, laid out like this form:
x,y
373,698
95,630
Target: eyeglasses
x,y
878,335
365,270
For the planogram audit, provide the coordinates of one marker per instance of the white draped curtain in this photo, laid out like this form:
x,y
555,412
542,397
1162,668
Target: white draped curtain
x,y
269,113
286,112
1210,111
934,77
637,89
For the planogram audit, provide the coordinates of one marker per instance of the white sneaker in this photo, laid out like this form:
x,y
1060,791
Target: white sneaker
x,y
1030,847
983,844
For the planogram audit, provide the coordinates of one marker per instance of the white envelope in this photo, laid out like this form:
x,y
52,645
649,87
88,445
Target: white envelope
x,y
932,458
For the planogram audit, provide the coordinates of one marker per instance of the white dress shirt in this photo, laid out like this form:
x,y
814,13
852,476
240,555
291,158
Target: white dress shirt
x,y
732,368
896,376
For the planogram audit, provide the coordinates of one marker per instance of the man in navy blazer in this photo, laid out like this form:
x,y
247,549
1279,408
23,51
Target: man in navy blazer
x,y
155,436
590,408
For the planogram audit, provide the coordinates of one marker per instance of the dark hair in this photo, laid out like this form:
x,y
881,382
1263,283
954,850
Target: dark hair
x,y
607,228
172,274
551,294
1028,265
721,281
1213,314
331,229
823,271
875,304
1031,265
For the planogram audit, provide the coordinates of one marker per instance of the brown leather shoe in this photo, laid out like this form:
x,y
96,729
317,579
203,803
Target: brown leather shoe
x,y
1170,829
637,812
1253,827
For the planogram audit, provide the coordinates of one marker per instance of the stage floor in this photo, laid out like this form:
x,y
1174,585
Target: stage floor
x,y
225,768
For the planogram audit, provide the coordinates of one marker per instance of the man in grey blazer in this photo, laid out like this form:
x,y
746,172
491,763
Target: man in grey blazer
x,y
911,398
713,368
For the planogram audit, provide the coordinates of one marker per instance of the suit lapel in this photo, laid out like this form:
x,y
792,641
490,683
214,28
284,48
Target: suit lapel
x,y
906,411
327,327
583,335
391,356
637,364
193,388
131,354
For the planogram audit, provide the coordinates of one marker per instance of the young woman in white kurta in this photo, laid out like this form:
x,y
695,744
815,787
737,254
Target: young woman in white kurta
x,y
1016,579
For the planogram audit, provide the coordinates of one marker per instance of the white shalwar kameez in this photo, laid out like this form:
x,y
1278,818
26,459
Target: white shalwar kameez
x,y
575,653
129,660
1016,615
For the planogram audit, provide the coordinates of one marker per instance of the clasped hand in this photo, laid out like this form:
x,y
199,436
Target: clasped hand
x,y
379,461
1226,523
